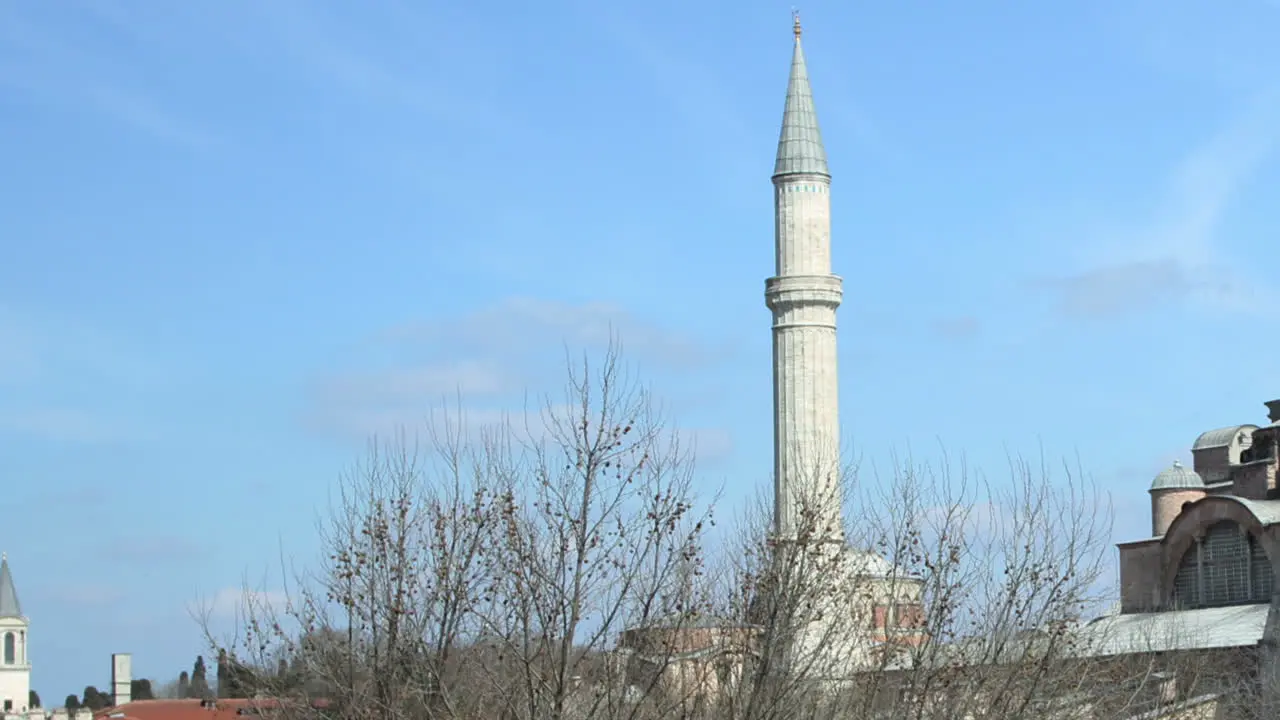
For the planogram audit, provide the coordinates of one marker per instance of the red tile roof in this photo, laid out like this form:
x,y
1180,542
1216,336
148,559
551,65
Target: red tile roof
x,y
228,709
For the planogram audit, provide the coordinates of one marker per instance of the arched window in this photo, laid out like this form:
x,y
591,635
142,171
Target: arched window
x,y
10,649
1226,567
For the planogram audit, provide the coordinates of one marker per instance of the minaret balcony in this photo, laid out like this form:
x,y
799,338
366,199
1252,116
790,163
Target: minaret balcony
x,y
791,290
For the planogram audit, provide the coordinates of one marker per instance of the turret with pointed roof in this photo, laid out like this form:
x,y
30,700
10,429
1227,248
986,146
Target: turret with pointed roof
x,y
800,148
9,605
15,667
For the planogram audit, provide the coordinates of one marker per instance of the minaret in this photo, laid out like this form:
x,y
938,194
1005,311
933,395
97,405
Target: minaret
x,y
803,296
15,669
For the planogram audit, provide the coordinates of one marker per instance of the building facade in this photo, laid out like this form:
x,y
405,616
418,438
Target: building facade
x,y
15,665
1215,528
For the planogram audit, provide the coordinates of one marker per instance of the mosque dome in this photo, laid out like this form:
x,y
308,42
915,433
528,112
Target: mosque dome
x,y
1177,477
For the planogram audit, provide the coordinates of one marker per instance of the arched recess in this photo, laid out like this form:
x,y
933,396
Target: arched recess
x,y
1227,566
1193,524
10,648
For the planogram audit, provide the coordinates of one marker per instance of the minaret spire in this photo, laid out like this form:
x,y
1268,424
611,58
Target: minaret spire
x,y
800,143
804,295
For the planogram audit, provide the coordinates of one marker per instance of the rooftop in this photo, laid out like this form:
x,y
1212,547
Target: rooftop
x,y
185,709
1200,629
9,605
1220,437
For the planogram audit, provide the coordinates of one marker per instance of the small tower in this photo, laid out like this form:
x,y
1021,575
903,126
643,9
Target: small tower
x,y
1174,487
15,669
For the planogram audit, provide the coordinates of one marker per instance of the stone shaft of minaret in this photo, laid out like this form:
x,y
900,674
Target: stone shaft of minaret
x,y
803,296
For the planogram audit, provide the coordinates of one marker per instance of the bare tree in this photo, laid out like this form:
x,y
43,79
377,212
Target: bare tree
x,y
951,596
598,533
376,629
493,574
556,569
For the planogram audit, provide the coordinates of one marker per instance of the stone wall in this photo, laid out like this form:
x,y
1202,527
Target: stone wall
x,y
1140,576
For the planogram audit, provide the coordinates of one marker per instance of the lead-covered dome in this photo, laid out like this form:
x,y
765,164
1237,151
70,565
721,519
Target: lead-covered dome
x,y
1177,477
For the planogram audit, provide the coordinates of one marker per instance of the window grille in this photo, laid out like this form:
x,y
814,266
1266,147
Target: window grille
x,y
1226,567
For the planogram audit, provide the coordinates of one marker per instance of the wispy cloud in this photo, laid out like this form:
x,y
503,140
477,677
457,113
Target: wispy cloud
x,y
466,378
142,113
149,551
88,595
429,85
690,87
42,353
1177,253
67,425
495,365
42,64
233,602
515,325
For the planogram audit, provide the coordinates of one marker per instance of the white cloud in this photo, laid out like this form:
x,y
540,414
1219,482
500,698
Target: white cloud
x,y
1177,253
41,352
233,602
428,85
517,324
425,382
44,65
497,361
90,595
363,421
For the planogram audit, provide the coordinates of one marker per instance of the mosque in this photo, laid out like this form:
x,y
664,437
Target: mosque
x,y
1205,577
1202,583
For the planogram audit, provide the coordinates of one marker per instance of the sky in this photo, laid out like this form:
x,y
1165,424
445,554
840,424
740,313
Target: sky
x,y
238,239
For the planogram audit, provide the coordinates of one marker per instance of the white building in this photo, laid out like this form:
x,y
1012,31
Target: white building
x,y
15,666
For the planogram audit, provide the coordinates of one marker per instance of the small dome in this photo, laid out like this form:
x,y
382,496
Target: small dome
x,y
1177,477
870,564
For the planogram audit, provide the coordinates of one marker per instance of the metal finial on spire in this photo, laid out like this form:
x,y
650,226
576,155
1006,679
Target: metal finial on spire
x,y
795,18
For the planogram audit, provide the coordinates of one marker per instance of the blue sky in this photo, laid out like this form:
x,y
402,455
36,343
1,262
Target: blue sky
x,y
237,237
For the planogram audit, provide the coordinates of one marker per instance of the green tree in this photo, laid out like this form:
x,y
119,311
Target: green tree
x,y
184,685
140,689
72,703
33,699
199,680
94,700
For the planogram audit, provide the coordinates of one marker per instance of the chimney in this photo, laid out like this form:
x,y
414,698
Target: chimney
x,y
122,677
1273,410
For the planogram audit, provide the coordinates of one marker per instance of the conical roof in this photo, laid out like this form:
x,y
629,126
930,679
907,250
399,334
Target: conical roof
x,y
9,605
800,148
